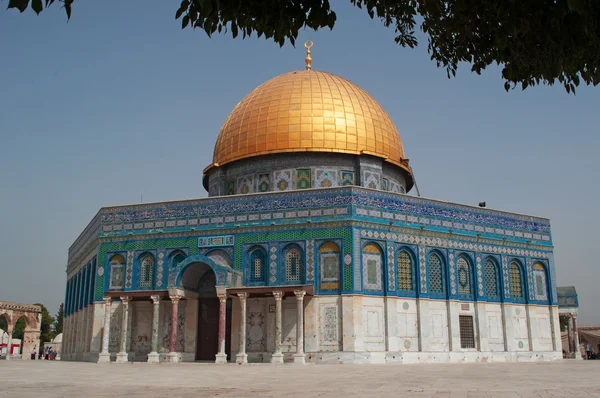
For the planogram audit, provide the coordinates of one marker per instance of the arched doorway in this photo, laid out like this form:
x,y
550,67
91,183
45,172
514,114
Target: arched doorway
x,y
201,279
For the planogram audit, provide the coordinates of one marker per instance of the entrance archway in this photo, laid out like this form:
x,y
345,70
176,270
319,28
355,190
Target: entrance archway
x,y
201,279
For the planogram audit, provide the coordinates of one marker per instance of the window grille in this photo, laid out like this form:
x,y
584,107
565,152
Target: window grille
x,y
491,279
405,271
516,286
146,272
467,335
464,277
257,266
436,284
292,265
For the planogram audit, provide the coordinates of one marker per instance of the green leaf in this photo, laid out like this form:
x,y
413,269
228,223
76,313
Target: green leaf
x,y
234,29
185,21
37,6
20,5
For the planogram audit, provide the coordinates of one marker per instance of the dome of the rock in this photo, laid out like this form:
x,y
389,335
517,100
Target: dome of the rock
x,y
310,112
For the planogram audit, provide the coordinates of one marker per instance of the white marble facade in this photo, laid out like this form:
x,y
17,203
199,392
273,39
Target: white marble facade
x,y
344,329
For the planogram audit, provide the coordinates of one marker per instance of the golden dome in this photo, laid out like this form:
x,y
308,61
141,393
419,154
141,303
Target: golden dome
x,y
308,111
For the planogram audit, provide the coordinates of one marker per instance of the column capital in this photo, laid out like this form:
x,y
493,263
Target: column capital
x,y
125,299
107,300
243,296
278,294
222,297
155,299
175,299
299,294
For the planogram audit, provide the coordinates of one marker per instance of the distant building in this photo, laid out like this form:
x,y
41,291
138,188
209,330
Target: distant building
x,y
568,309
31,315
308,249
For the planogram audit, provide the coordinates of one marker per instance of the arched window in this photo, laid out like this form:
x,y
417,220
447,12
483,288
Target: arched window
x,y
516,282
490,273
293,264
372,267
541,282
329,266
146,271
257,265
405,271
117,270
463,269
176,259
437,280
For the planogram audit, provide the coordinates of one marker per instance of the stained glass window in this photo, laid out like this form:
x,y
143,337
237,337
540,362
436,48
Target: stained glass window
x,y
257,265
491,279
464,277
436,275
292,265
541,289
117,268
516,285
146,271
405,271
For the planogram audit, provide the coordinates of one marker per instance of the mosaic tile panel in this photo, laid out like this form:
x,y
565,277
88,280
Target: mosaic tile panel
x,y
347,178
325,178
529,271
310,260
245,184
129,270
391,269
479,275
283,180
505,273
371,180
160,268
423,269
452,266
303,179
216,241
230,187
264,182
348,272
357,251
273,264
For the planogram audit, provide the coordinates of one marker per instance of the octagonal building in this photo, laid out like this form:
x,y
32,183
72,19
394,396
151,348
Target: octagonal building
x,y
309,249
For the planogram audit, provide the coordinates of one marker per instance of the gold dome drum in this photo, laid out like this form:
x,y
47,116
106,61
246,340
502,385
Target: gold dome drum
x,y
308,111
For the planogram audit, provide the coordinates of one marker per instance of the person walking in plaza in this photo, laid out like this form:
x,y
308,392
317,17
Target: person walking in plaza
x,y
588,351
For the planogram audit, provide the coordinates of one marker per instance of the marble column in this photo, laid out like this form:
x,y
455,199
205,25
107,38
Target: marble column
x,y
576,338
241,356
122,356
104,354
9,343
277,355
221,356
299,355
570,335
173,356
153,355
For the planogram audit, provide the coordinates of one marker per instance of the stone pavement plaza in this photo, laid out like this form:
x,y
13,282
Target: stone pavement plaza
x,y
75,379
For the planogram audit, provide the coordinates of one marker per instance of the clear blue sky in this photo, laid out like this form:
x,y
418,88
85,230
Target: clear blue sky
x,y
120,101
